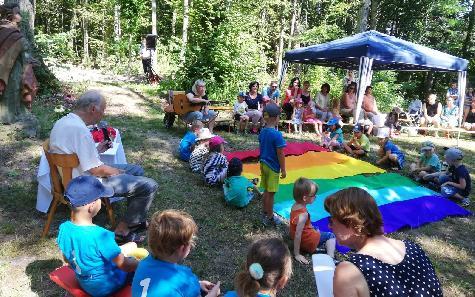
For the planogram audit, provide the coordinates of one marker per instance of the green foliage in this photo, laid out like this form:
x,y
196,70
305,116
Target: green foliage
x,y
233,42
55,46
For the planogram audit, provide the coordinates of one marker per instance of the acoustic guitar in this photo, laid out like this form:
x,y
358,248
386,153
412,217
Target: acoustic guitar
x,y
182,105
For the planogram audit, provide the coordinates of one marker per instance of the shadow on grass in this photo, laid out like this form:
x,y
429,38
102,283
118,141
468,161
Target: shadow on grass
x,y
38,272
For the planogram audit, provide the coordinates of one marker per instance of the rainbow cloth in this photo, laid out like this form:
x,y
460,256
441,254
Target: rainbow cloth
x,y
402,202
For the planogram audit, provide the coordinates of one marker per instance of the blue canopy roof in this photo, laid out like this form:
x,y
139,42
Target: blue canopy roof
x,y
388,52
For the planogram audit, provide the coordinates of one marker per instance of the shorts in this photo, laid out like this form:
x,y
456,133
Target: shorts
x,y
198,115
237,117
324,237
269,179
355,149
449,191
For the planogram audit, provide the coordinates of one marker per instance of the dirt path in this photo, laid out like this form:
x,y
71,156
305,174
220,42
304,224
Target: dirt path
x,y
23,257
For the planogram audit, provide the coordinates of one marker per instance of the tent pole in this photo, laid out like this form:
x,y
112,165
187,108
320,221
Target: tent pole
x,y
462,80
282,73
364,75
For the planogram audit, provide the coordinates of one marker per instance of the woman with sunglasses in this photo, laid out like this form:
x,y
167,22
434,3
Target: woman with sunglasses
x,y
381,266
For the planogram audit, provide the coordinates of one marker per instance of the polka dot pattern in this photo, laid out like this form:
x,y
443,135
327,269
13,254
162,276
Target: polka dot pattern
x,y
414,276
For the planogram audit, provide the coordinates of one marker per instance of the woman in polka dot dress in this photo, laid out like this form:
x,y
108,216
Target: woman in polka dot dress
x,y
381,266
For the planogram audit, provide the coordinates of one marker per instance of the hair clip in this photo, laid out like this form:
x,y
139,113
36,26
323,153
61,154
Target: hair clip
x,y
256,271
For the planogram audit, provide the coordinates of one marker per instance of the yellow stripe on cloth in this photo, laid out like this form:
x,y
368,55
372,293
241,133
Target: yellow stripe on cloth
x,y
317,165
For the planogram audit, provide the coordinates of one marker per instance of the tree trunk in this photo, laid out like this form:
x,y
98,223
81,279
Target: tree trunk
x,y
292,23
374,14
185,30
28,7
174,16
85,36
364,12
154,17
117,29
429,81
468,37
280,51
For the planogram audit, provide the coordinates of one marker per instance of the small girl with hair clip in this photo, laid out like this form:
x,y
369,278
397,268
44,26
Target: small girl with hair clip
x,y
297,116
267,270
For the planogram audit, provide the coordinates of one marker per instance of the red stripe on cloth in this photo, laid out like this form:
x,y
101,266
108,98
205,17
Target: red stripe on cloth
x,y
292,148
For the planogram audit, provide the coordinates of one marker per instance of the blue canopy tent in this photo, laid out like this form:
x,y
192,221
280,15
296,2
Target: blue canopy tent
x,y
372,50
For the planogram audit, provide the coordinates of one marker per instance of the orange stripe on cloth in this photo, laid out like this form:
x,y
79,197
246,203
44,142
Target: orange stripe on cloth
x,y
317,165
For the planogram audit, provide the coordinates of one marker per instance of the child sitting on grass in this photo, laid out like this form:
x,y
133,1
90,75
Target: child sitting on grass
x,y
389,153
359,144
171,236
215,165
428,162
240,109
306,238
238,190
456,183
187,143
267,270
100,265
201,150
335,140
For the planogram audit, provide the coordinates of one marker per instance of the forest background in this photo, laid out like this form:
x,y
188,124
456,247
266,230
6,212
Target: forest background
x,y
229,43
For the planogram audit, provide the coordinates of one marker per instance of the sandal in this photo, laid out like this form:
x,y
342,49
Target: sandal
x,y
130,237
139,227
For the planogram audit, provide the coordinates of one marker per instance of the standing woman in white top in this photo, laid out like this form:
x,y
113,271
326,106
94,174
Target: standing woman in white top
x,y
322,103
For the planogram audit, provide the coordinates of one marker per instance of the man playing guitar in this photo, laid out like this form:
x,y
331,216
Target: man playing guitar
x,y
199,103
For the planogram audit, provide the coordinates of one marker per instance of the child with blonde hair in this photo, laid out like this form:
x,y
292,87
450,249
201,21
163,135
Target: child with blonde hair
x,y
171,236
267,270
297,116
187,143
306,238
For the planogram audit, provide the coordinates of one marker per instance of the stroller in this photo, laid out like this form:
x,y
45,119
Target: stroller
x,y
414,112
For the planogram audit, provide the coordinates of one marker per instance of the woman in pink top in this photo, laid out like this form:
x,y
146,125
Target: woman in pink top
x,y
348,101
293,92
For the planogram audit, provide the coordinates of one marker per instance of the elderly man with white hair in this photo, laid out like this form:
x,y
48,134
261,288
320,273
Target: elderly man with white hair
x,y
71,135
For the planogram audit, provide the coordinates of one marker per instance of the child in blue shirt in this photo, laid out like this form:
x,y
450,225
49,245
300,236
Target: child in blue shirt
x,y
389,152
99,263
272,162
456,183
267,269
335,140
238,190
187,143
428,162
170,239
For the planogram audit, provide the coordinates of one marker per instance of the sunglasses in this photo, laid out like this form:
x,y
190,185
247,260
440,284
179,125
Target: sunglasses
x,y
273,86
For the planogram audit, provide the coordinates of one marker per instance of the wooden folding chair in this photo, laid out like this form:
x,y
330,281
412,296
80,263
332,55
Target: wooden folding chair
x,y
61,169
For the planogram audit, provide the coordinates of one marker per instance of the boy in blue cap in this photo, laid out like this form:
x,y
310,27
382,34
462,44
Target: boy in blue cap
x,y
456,183
335,139
187,143
389,153
99,263
272,162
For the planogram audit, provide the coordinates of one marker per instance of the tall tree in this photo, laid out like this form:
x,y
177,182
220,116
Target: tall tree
x,y
469,34
154,17
364,16
184,36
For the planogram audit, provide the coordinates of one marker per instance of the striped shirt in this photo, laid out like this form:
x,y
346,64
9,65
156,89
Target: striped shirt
x,y
215,169
196,157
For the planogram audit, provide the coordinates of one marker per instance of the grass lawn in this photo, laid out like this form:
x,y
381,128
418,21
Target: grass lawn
x,y
224,232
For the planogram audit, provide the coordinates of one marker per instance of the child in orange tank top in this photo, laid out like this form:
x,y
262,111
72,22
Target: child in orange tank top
x,y
306,238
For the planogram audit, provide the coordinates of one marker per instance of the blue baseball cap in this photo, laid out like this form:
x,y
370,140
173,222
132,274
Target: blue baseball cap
x,y
332,122
272,110
242,94
85,189
358,128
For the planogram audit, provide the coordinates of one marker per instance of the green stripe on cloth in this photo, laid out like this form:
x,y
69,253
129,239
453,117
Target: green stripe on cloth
x,y
376,181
